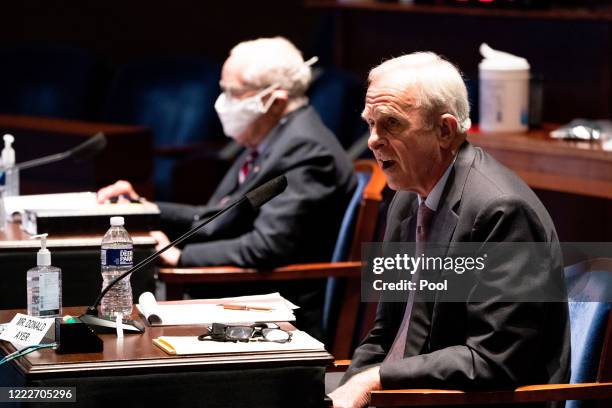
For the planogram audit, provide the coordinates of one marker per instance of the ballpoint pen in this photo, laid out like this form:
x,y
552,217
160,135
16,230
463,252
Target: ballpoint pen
x,y
245,307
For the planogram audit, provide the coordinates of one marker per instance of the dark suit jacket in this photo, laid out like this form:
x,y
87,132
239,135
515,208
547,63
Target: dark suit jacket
x,y
476,345
299,225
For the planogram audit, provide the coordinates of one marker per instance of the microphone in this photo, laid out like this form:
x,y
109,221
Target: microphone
x,y
84,151
253,200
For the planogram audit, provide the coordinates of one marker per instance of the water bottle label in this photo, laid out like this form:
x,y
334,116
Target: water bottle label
x,y
117,257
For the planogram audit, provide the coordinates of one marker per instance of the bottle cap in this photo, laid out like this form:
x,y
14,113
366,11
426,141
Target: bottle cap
x,y
43,257
117,221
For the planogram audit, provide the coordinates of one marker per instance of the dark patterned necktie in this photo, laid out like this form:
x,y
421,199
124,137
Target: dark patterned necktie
x,y
424,216
247,166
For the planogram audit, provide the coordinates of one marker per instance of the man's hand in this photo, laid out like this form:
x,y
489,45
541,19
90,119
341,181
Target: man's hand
x,y
356,392
171,256
120,188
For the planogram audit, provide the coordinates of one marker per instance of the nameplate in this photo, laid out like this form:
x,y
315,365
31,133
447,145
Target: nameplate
x,y
26,330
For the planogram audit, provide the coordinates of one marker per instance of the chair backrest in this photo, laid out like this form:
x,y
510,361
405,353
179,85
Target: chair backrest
x,y
174,97
50,80
347,228
337,96
358,226
341,250
589,287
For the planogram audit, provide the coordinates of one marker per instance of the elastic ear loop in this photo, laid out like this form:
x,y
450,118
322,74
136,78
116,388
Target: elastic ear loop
x,y
273,87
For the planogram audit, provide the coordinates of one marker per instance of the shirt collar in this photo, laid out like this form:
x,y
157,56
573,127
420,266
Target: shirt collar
x,y
433,199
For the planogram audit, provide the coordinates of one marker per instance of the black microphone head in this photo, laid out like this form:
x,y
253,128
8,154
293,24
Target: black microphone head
x,y
267,191
89,148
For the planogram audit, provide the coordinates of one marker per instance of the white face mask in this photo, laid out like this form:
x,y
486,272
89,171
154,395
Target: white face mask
x,y
237,114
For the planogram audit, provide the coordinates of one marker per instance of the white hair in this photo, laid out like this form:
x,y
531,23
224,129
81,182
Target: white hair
x,y
275,61
438,84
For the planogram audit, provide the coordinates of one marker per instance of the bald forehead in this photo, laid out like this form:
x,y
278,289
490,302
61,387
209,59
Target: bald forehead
x,y
389,93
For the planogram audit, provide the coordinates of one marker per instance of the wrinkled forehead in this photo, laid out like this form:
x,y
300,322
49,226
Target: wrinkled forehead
x,y
389,94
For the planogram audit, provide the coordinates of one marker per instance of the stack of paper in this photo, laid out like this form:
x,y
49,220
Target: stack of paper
x,y
65,201
178,345
259,308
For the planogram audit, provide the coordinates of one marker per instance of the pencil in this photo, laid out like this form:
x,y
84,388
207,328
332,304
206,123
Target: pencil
x,y
246,307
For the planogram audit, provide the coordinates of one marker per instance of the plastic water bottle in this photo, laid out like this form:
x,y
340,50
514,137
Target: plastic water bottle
x,y
117,257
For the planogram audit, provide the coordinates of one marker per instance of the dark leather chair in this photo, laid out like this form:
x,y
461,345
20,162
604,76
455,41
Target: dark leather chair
x,y
50,80
361,218
338,98
175,98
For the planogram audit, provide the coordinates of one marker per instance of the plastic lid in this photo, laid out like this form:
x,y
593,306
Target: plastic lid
x,y
43,257
117,221
8,153
499,60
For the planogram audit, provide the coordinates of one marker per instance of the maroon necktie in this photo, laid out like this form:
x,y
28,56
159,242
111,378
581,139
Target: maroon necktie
x,y
424,216
247,166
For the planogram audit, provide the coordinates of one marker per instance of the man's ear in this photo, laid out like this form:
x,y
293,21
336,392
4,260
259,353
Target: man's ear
x,y
281,99
448,130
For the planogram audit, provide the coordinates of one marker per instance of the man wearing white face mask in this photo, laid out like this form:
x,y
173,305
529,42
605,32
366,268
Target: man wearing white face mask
x,y
263,107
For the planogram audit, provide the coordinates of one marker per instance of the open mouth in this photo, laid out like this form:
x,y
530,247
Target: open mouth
x,y
387,164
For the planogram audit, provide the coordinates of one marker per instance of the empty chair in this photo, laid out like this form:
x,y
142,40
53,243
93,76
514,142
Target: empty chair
x,y
338,98
175,98
50,80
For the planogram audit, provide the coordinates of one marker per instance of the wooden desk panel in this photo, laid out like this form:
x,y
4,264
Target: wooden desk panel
x,y
77,256
15,238
137,354
136,373
575,167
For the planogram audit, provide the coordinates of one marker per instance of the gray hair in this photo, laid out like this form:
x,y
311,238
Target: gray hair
x,y
438,84
275,61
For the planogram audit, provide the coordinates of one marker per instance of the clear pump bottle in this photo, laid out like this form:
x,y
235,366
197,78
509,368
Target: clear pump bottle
x,y
44,284
11,172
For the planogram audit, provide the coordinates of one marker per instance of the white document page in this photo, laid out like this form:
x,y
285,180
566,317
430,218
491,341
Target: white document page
x,y
207,313
179,345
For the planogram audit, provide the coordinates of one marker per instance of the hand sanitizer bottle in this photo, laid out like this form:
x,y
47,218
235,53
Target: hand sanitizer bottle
x,y
11,172
44,284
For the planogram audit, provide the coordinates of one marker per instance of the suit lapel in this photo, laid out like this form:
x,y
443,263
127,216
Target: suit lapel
x,y
407,231
442,228
229,183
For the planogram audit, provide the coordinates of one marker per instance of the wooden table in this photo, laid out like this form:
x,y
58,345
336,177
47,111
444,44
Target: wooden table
x,y
572,178
77,256
576,167
133,370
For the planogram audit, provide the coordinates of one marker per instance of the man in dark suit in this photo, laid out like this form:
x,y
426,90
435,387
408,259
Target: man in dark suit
x,y
452,192
264,108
